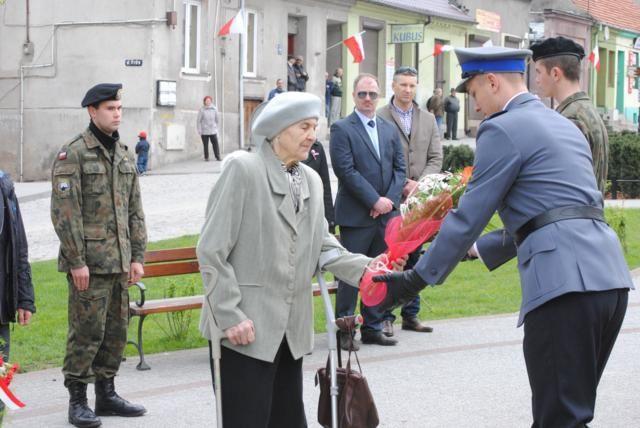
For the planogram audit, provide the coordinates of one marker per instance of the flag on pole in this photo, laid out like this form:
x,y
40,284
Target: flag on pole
x,y
234,26
438,49
487,44
355,46
594,58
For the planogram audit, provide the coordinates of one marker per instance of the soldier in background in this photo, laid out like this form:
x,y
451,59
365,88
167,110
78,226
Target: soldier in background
x,y
558,75
97,214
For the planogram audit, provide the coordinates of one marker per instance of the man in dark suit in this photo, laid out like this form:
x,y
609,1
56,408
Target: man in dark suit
x,y
367,158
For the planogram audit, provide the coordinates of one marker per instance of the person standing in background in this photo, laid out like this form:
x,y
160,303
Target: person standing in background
x,y
292,79
328,87
207,124
435,106
142,150
452,107
279,89
301,74
317,160
336,96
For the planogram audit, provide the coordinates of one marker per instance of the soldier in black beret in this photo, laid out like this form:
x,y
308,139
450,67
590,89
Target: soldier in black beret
x,y
96,212
102,92
558,76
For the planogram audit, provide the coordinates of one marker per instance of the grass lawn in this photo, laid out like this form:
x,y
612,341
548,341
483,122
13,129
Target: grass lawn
x,y
469,291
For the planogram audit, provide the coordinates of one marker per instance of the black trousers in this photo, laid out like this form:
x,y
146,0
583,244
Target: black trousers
x,y
259,394
452,125
567,342
214,142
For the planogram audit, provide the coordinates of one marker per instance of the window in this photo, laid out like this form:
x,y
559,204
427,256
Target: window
x,y
250,47
191,46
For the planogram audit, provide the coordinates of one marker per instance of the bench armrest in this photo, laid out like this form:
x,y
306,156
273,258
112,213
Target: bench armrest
x,y
142,288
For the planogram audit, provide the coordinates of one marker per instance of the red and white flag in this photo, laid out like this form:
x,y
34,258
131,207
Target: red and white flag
x,y
355,46
594,57
6,396
438,49
234,26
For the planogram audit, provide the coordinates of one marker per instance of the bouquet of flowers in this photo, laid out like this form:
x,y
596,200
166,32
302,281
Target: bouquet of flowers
x,y
421,216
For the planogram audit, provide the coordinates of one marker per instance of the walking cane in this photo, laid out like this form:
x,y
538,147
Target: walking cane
x,y
214,362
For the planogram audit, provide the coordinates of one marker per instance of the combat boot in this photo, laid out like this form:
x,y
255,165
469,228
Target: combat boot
x,y
80,414
108,403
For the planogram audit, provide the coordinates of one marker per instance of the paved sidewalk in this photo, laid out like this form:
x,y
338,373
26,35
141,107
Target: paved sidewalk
x,y
468,373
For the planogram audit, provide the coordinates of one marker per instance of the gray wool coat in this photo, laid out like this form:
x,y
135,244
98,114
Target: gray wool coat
x,y
258,256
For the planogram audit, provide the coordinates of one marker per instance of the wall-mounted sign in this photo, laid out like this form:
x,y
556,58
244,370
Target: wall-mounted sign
x,y
166,92
133,62
489,21
406,33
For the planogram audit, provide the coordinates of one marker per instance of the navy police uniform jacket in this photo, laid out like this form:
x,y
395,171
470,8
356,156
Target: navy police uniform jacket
x,y
529,159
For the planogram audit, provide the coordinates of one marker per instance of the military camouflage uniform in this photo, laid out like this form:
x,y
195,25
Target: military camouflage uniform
x,y
579,109
97,213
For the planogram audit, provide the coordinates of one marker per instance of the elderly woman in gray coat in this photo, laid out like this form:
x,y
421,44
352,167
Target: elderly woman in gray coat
x,y
264,236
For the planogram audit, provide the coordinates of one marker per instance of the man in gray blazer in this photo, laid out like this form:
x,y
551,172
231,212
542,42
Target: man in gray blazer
x,y
534,167
367,158
422,149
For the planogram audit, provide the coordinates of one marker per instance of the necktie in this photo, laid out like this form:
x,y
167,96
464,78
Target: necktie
x,y
371,123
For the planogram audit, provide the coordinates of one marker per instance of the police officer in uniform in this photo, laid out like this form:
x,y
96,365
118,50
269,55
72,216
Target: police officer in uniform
x,y
558,75
97,214
533,166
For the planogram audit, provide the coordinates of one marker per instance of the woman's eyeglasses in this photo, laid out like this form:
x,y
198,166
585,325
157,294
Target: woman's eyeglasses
x,y
363,94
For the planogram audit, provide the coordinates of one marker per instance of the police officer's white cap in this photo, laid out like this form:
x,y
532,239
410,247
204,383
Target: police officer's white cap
x,y
490,59
283,111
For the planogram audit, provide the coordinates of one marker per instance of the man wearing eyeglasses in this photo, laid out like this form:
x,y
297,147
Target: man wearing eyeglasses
x,y
420,138
367,158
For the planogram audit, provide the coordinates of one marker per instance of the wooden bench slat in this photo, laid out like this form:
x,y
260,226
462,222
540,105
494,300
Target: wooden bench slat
x,y
174,254
167,305
170,269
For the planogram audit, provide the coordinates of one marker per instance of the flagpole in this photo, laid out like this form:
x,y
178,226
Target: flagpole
x,y
341,41
241,86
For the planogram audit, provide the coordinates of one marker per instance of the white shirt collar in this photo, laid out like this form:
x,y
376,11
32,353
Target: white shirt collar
x,y
512,98
365,119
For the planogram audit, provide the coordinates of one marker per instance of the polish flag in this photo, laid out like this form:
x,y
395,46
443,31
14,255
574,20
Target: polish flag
x,y
438,49
355,46
234,26
594,57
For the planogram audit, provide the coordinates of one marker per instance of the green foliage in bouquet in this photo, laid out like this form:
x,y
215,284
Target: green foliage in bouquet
x,y
624,161
456,157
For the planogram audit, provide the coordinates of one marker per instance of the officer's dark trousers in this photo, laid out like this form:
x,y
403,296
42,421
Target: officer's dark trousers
x,y
214,142
98,321
370,242
452,126
259,394
567,342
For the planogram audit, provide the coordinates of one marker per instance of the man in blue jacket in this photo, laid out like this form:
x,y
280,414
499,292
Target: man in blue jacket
x,y
367,157
534,167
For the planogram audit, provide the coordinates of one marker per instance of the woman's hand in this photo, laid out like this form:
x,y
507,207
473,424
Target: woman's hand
x,y
399,264
241,334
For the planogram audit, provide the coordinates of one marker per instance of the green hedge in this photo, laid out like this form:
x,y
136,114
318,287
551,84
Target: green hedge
x,y
456,157
624,161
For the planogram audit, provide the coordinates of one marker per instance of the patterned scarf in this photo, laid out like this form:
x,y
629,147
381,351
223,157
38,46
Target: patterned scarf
x,y
295,181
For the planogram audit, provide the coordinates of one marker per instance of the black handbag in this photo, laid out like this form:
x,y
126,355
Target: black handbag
x,y
356,408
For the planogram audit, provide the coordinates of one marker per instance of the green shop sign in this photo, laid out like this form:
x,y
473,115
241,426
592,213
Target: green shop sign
x,y
406,33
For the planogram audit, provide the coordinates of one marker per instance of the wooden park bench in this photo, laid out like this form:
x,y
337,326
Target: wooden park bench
x,y
172,262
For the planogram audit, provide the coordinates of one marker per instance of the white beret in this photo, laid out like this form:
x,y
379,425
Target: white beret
x,y
283,111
